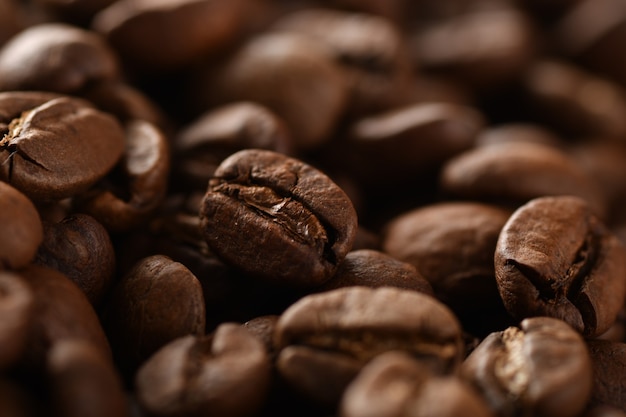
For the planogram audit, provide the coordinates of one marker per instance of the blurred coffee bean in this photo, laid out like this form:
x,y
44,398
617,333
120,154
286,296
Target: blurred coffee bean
x,y
575,101
277,218
452,245
206,142
82,383
519,132
11,20
403,143
61,311
55,146
263,328
294,76
22,230
156,37
609,367
529,370
394,384
80,247
225,374
55,57
369,48
484,48
514,173
372,268
17,308
158,301
555,258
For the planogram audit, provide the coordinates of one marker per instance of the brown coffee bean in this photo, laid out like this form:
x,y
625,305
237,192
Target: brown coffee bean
x,y
555,258
80,247
17,308
22,232
609,367
540,369
55,148
55,57
225,374
277,218
215,135
263,328
518,132
294,76
484,48
395,384
82,383
61,312
330,336
369,48
372,268
452,244
514,173
135,189
156,302
168,35
576,101
407,141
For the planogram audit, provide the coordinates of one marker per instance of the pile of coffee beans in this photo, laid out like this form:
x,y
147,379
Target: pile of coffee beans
x,y
313,208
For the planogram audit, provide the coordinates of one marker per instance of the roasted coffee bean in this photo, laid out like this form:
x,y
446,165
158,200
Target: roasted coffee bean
x,y
514,173
206,142
54,148
294,76
156,302
372,268
576,101
452,245
80,247
263,328
609,367
519,132
83,383
395,384
55,57
135,189
225,374
61,312
17,308
555,258
277,218
407,141
369,48
483,48
168,35
541,368
331,335
22,230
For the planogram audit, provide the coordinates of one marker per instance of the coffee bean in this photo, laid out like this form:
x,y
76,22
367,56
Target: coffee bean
x,y
225,374
530,370
362,322
83,383
167,35
80,247
17,307
514,173
555,258
394,384
54,148
156,302
55,57
452,245
22,232
277,218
